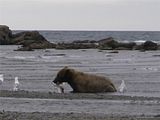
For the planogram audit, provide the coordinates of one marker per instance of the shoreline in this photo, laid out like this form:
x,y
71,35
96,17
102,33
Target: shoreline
x,y
89,96
24,105
7,115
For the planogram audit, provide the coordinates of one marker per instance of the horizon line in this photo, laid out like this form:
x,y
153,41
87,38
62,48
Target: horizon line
x,y
96,30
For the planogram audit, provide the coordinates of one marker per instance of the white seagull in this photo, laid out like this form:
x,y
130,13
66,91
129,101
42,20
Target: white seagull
x,y
122,87
1,79
16,84
58,89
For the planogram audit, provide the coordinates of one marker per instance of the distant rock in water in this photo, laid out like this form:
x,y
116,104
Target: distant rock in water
x,y
148,45
76,45
29,40
111,44
108,43
5,35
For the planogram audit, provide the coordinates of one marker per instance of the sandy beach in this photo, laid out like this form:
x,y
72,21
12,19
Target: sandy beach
x,y
37,99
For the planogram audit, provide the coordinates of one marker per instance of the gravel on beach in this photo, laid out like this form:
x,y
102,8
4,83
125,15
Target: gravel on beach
x,y
67,116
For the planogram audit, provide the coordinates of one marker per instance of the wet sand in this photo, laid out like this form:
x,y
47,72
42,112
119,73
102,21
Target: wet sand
x,y
66,116
37,98
99,106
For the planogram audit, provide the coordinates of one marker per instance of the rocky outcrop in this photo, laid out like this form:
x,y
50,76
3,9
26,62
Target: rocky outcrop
x,y
29,40
111,44
5,35
74,45
126,46
158,47
148,45
107,44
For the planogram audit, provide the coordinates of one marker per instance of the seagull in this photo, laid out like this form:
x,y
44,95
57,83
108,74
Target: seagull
x,y
122,87
58,89
16,84
1,79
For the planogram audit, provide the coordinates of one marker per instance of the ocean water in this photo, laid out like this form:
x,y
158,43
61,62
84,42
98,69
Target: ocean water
x,y
37,69
124,36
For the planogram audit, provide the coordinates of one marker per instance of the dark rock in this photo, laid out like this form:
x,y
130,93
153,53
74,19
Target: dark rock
x,y
156,55
5,35
29,36
148,45
126,46
107,44
111,44
157,116
104,44
75,45
158,47
31,39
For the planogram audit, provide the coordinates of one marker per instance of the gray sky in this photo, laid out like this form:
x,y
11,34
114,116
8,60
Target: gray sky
x,y
81,14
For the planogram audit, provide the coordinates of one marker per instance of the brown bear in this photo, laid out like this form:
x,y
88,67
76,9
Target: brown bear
x,y
84,83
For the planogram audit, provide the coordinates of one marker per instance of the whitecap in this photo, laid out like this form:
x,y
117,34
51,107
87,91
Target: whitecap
x,y
49,57
124,41
74,56
20,57
140,41
150,68
143,41
123,60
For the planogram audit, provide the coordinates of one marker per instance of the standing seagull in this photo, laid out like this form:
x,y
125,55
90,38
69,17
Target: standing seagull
x,y
122,87
1,79
16,84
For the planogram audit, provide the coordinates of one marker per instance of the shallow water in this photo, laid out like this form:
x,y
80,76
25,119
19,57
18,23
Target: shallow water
x,y
37,69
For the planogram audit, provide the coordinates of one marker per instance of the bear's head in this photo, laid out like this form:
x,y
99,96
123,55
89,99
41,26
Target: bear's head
x,y
64,75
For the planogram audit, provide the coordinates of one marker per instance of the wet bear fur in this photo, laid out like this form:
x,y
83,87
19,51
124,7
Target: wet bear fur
x,y
83,82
